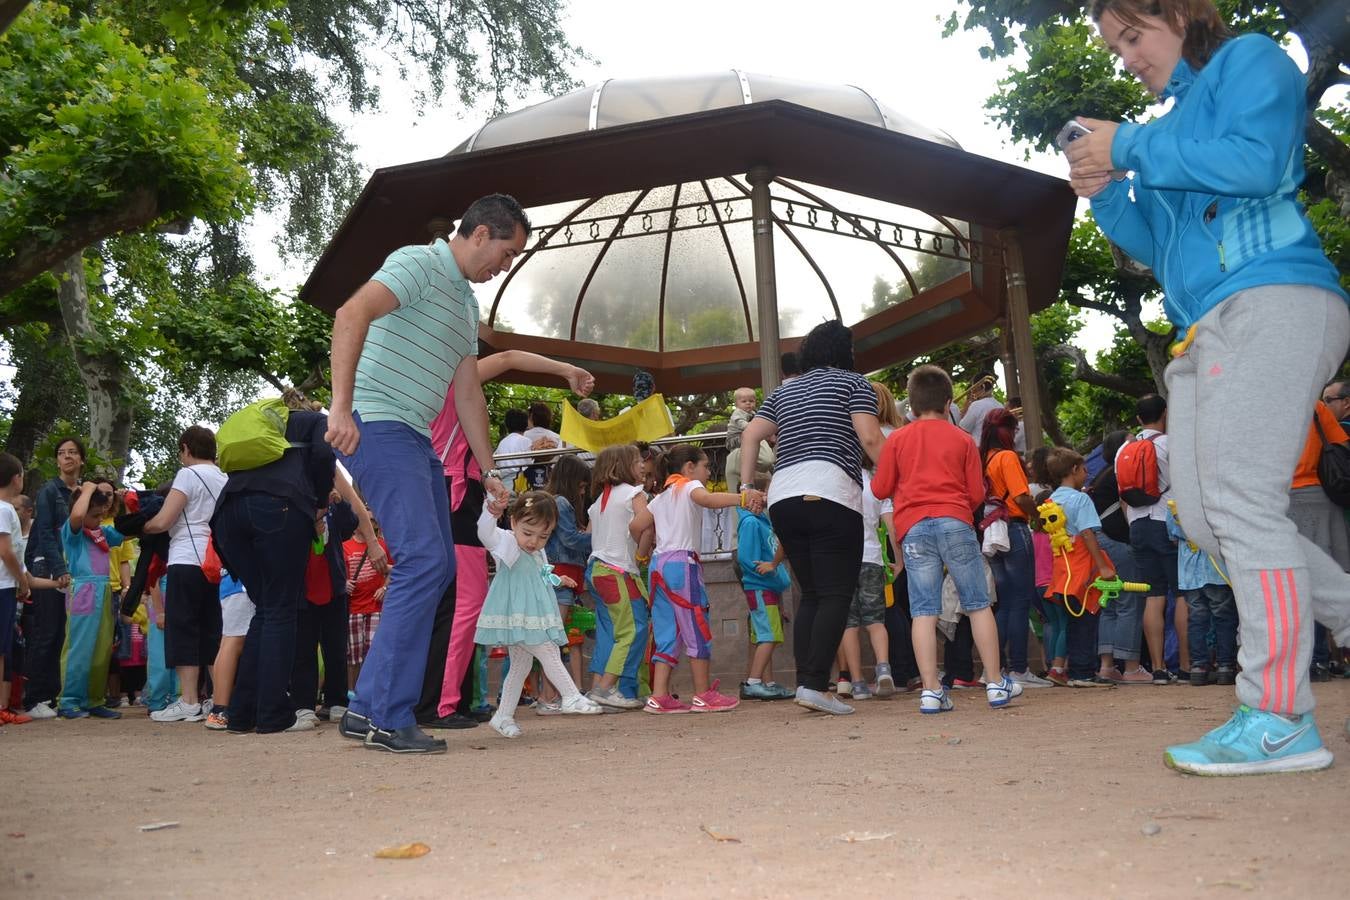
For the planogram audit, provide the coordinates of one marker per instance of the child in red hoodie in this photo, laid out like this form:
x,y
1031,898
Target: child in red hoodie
x,y
931,471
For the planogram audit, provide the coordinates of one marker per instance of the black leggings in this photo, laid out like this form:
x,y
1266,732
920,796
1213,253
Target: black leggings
x,y
823,542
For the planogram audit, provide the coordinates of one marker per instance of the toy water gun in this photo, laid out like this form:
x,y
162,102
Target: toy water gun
x,y
887,563
580,623
1111,588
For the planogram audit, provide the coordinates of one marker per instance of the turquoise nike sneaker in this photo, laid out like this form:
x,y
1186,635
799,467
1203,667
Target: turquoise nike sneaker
x,y
1253,743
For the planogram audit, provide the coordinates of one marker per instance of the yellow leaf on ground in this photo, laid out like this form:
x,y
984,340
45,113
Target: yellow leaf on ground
x,y
403,851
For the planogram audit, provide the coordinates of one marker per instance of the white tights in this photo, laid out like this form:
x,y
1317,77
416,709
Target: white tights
x,y
522,656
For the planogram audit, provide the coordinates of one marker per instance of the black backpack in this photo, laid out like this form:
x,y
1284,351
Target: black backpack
x,y
1333,468
1105,494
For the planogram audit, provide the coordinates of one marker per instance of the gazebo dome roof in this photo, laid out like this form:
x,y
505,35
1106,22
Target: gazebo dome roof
x,y
625,101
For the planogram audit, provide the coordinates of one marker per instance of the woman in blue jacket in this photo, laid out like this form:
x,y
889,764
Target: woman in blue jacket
x,y
1211,206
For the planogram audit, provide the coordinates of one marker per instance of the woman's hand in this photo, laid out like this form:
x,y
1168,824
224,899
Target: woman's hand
x,y
1090,186
567,582
1090,155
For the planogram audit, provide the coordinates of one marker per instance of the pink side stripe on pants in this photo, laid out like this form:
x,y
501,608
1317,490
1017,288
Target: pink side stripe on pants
x,y
1279,680
470,592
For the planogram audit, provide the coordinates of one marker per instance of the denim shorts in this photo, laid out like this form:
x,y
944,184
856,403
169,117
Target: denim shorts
x,y
934,544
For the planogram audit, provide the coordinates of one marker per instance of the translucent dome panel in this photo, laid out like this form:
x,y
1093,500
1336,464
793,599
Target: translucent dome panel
x,y
641,99
620,305
704,305
835,99
567,114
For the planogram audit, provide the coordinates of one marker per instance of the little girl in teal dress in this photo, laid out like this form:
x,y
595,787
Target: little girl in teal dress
x,y
521,610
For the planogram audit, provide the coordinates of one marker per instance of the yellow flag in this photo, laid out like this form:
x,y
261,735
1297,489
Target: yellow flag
x,y
646,421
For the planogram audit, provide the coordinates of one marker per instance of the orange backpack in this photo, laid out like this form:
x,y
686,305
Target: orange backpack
x,y
1137,472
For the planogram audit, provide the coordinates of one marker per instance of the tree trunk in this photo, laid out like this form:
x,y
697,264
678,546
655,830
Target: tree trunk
x,y
43,379
101,371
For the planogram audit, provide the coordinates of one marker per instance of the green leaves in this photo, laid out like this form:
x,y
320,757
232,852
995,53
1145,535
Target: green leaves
x,y
123,120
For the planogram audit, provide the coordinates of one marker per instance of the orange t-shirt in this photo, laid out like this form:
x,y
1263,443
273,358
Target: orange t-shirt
x,y
1305,473
1008,479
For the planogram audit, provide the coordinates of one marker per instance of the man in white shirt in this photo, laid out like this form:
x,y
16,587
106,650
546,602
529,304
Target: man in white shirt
x,y
514,442
1153,552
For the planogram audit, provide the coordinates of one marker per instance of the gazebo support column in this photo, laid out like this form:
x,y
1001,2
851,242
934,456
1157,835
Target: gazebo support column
x,y
1019,324
766,285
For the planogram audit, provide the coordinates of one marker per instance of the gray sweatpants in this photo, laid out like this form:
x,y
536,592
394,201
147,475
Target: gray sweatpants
x,y
1240,401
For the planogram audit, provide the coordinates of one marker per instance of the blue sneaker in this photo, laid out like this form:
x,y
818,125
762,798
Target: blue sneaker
x,y
1253,743
780,692
103,712
931,702
758,691
70,712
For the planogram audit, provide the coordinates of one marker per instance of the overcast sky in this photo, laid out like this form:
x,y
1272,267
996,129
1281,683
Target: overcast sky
x,y
894,50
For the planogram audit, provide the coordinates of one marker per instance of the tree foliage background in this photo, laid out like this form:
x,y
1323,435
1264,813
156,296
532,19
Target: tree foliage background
x,y
137,137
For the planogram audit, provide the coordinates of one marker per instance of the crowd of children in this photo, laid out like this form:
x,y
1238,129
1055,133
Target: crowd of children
x,y
623,536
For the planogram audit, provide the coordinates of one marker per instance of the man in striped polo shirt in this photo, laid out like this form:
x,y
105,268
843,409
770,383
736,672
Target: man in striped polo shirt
x,y
398,343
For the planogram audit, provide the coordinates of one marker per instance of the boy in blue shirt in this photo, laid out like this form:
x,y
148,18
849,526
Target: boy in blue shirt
x,y
759,561
1077,566
89,608
1211,606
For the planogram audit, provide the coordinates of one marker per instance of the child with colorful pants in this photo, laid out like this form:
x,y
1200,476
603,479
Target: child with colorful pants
x,y
89,608
765,579
679,601
621,612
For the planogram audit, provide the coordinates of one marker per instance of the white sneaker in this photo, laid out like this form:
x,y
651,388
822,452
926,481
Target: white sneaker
x,y
207,706
581,705
1000,692
548,708
507,728
178,711
335,713
613,699
843,688
935,702
304,722
1029,679
42,710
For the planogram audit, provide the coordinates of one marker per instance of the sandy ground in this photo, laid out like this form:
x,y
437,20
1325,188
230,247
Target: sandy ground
x,y
1049,798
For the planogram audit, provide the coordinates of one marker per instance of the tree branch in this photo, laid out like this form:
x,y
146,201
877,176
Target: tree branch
x,y
9,11
1084,371
140,209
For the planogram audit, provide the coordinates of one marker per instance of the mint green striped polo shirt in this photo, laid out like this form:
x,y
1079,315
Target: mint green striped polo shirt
x,y
411,354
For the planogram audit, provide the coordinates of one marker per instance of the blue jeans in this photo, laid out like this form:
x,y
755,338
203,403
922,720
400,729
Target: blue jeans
x,y
1015,585
265,540
929,546
404,484
1121,624
1212,606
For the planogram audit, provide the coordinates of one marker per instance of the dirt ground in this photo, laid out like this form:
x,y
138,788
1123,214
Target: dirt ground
x,y
1050,798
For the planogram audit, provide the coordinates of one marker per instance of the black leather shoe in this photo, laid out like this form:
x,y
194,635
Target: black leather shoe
x,y
454,720
481,715
354,726
404,740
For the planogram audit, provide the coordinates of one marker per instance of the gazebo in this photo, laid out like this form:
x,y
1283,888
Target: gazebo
x,y
692,226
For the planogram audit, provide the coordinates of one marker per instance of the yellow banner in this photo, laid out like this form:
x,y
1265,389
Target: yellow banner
x,y
646,421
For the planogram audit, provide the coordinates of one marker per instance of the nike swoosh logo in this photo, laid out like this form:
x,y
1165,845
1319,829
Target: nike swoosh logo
x,y
1270,747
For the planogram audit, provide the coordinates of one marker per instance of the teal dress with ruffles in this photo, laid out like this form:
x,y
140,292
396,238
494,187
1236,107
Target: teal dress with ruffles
x,y
520,607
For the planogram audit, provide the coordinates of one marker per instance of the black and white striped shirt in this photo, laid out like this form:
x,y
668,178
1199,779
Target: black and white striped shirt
x,y
814,417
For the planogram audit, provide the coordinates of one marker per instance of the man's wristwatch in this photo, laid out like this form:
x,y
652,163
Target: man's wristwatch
x,y
747,486
493,473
